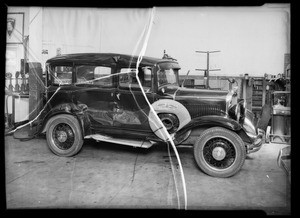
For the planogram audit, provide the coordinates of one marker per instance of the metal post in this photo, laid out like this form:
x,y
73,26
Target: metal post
x,y
36,87
207,67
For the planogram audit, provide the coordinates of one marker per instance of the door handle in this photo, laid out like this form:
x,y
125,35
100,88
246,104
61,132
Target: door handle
x,y
118,96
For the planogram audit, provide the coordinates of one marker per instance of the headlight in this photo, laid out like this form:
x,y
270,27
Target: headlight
x,y
229,97
250,128
235,90
237,111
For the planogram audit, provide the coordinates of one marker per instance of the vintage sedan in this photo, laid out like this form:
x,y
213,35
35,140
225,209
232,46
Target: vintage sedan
x,y
98,95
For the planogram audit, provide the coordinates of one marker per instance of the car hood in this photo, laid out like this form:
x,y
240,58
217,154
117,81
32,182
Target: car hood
x,y
181,92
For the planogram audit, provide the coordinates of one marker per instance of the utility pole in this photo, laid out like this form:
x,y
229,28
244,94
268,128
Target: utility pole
x,y
206,71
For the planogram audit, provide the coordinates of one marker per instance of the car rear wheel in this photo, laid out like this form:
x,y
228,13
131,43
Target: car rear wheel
x,y
64,136
219,152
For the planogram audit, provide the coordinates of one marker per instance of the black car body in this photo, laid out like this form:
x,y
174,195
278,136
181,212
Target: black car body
x,y
97,95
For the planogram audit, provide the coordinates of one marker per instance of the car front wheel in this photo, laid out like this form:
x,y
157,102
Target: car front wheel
x,y
219,152
64,136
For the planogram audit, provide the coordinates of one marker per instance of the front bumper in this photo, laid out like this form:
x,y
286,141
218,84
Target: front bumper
x,y
256,135
258,142
284,159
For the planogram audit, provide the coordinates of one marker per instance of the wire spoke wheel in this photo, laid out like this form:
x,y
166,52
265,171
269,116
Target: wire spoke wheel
x,y
219,153
63,136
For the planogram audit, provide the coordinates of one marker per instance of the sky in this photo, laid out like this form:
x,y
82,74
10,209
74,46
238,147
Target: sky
x,y
250,40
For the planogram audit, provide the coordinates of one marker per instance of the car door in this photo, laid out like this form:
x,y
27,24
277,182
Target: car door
x,y
96,88
133,109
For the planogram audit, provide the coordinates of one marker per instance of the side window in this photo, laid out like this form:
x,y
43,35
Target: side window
x,y
61,74
147,81
84,73
128,78
96,75
103,76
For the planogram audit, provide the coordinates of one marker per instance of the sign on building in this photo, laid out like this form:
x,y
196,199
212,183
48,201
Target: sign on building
x,y
15,28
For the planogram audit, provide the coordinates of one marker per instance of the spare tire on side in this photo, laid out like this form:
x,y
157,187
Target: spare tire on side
x,y
169,111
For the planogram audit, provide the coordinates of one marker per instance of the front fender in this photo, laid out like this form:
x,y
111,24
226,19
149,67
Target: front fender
x,y
79,111
207,122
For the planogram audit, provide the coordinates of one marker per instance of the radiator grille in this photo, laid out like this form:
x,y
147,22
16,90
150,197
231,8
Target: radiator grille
x,y
197,110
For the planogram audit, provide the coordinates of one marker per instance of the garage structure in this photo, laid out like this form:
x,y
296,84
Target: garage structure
x,y
27,55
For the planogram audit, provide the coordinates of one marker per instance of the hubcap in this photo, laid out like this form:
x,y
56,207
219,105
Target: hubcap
x,y
167,123
61,136
219,153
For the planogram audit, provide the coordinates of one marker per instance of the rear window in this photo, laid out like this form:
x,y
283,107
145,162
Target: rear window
x,y
61,74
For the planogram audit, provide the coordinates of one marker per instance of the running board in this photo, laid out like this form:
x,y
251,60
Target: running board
x,y
129,142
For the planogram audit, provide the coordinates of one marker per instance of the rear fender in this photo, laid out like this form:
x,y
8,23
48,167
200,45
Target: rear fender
x,y
79,111
197,125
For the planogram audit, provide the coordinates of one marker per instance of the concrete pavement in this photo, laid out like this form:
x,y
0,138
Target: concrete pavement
x,y
105,175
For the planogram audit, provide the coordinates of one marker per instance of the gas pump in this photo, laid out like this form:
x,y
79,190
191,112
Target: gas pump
x,y
27,103
281,117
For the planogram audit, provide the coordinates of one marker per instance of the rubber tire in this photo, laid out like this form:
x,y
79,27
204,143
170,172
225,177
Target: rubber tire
x,y
74,124
235,140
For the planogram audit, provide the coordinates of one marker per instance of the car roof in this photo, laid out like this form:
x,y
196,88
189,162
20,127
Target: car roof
x,y
107,59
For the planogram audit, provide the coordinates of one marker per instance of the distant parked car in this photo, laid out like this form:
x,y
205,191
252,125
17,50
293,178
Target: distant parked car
x,y
97,96
284,160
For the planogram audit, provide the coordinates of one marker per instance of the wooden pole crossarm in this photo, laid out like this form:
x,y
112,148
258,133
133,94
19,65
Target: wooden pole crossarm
x,y
206,71
207,51
209,69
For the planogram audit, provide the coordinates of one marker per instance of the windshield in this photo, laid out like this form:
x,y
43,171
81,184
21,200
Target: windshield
x,y
167,76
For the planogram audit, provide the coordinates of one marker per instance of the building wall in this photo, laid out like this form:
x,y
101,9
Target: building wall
x,y
14,47
35,34
251,40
